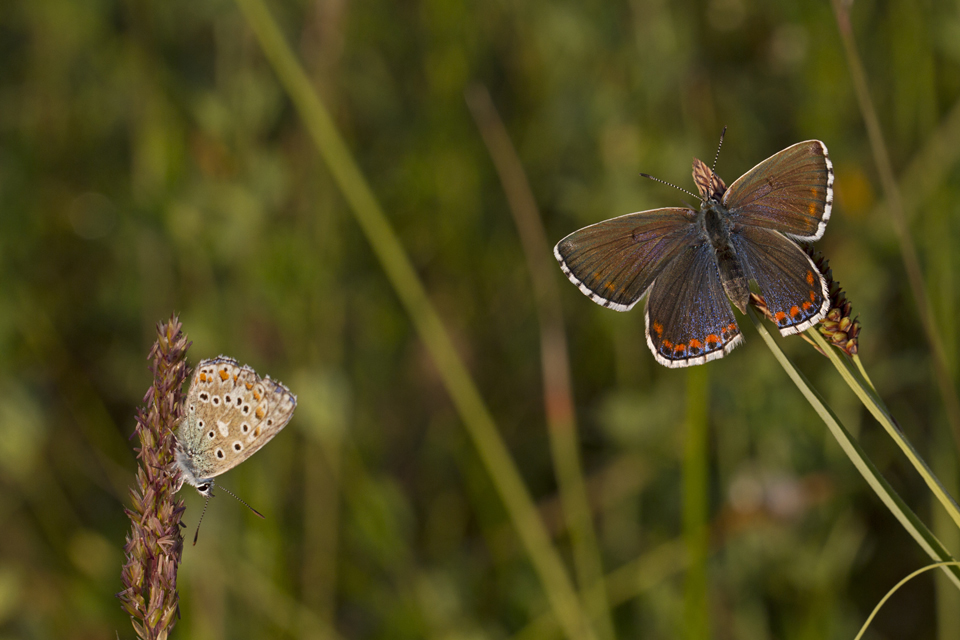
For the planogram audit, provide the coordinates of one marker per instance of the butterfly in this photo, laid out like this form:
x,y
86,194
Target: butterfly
x,y
228,415
688,263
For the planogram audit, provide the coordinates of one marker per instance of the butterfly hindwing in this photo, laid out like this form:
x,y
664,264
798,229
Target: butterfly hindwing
x,y
614,262
689,320
790,283
791,192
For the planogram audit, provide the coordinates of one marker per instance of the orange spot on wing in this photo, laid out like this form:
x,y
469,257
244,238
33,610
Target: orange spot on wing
x,y
249,386
667,344
695,344
807,306
224,375
813,296
794,311
259,413
780,315
810,278
713,340
657,328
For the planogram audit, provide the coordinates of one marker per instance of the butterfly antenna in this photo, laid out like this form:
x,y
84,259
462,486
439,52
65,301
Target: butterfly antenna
x,y
202,513
670,184
717,157
243,503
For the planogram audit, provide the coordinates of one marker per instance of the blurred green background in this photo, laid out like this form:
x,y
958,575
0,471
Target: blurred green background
x,y
151,163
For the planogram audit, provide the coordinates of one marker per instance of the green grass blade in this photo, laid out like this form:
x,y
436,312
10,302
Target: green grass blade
x,y
908,519
896,587
555,361
877,411
401,274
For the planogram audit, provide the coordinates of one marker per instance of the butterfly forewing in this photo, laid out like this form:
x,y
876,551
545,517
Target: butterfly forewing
x,y
614,262
792,287
689,320
791,192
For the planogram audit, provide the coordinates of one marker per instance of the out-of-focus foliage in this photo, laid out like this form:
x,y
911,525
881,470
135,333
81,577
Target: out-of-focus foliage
x,y
150,163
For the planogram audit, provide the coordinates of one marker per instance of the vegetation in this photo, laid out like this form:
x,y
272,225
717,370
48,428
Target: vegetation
x,y
353,217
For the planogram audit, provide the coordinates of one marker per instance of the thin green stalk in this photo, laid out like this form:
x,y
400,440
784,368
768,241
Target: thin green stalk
x,y
908,250
892,591
555,361
695,508
878,412
908,519
410,290
944,462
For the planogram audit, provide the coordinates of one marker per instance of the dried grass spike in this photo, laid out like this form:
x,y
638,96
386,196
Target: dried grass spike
x,y
155,545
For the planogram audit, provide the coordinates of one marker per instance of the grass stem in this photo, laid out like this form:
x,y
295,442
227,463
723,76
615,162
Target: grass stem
x,y
406,283
908,519
555,361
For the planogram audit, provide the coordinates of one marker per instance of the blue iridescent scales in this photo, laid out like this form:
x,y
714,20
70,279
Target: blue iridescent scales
x,y
691,264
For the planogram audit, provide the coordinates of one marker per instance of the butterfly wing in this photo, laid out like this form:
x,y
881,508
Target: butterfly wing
x,y
230,413
790,192
790,283
615,261
689,320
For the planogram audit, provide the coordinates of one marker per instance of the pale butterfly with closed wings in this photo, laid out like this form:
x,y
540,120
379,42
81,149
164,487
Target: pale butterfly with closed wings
x,y
228,415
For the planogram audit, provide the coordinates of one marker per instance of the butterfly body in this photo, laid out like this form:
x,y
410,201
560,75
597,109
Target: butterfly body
x,y
689,263
229,414
718,233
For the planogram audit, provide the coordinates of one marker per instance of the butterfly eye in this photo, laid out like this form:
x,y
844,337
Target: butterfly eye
x,y
220,454
237,446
